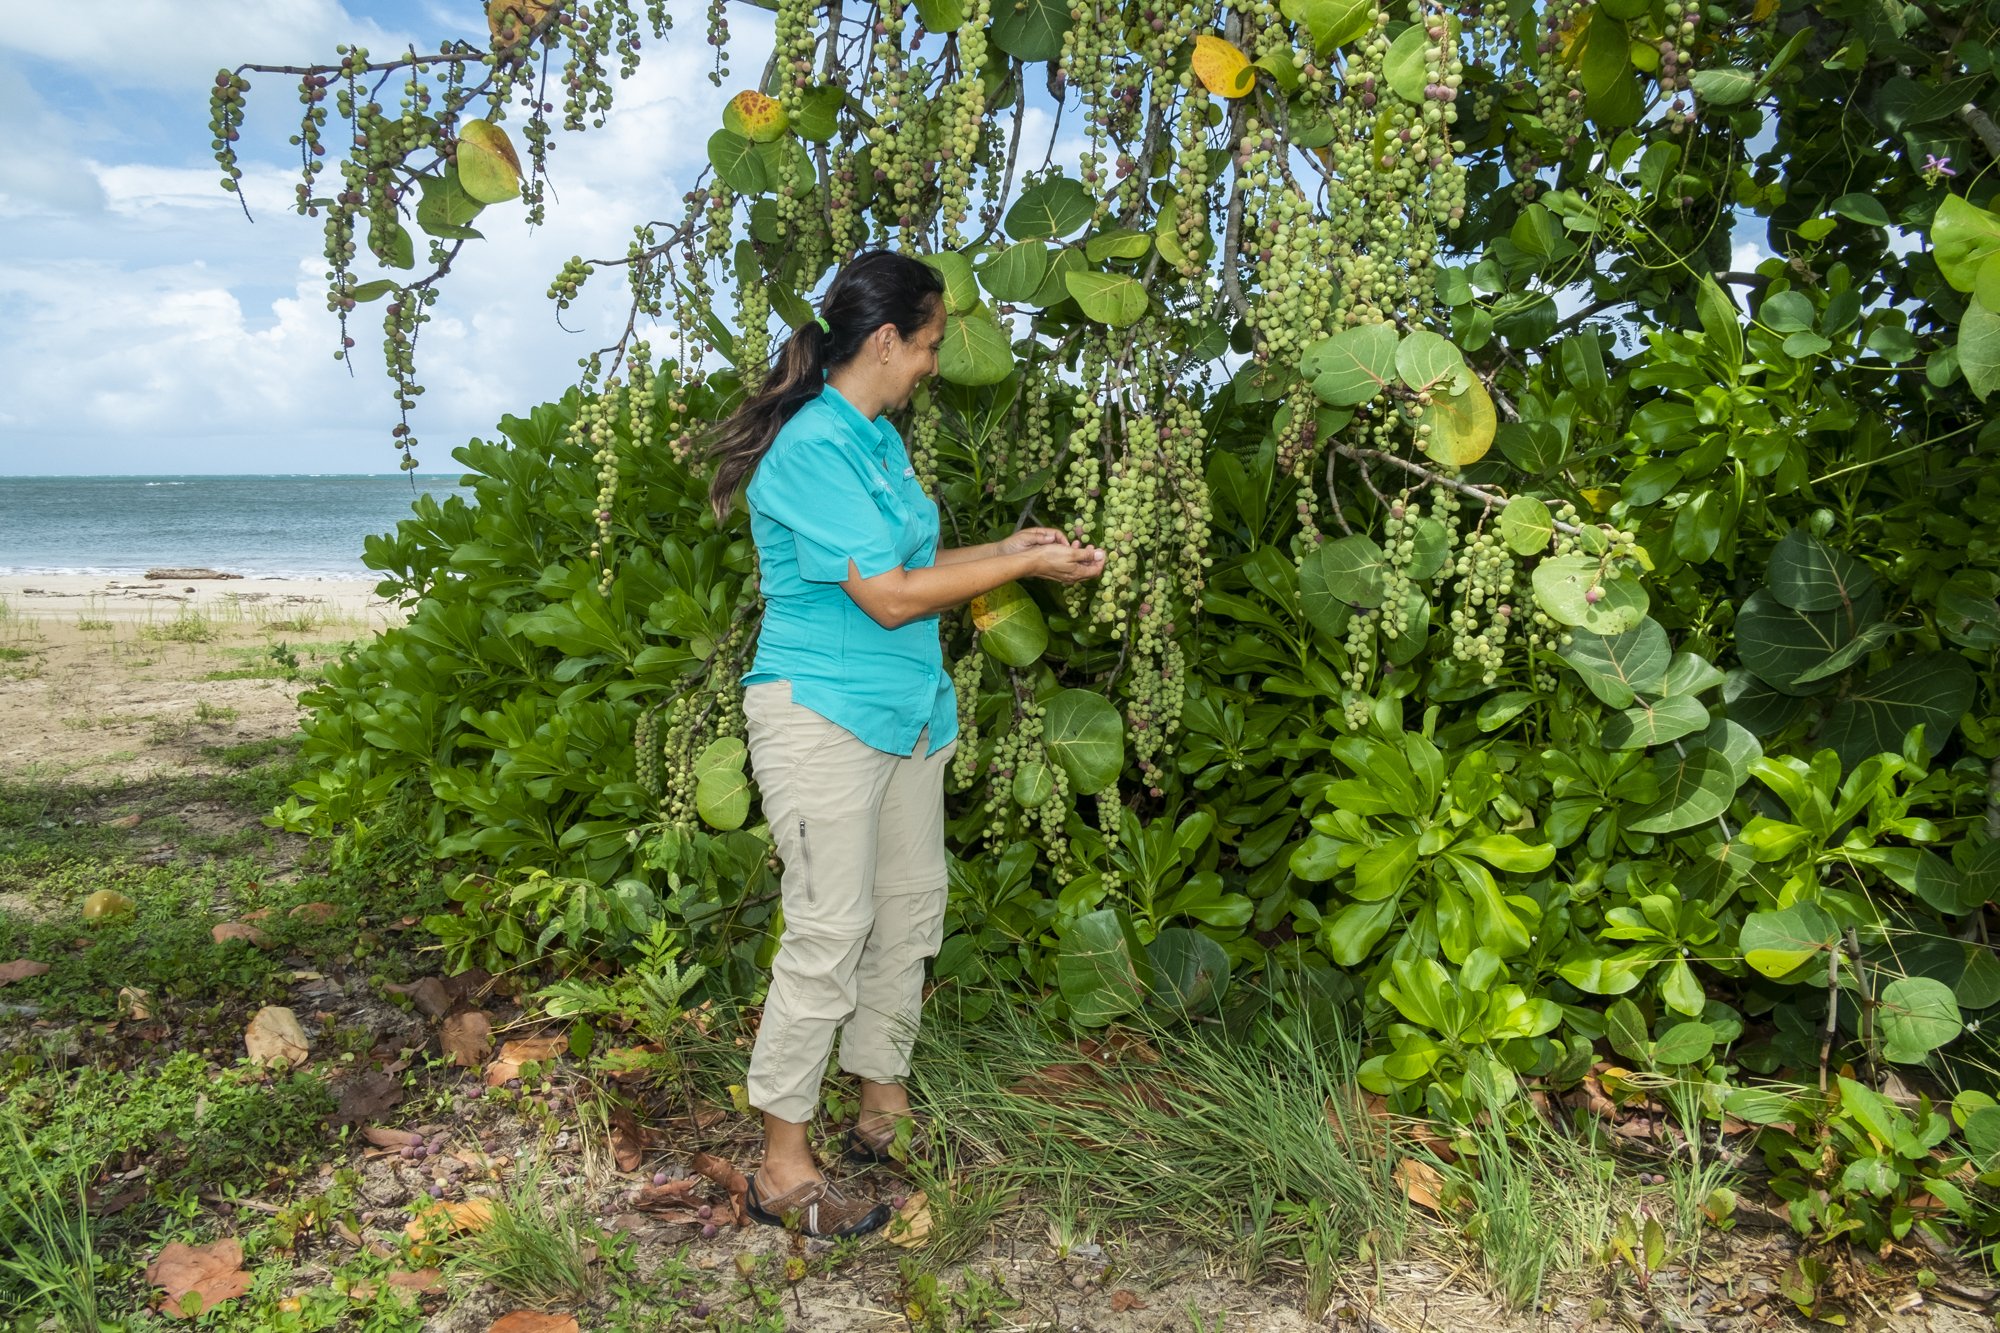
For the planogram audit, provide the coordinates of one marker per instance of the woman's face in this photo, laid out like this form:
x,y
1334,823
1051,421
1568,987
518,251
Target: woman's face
x,y
913,360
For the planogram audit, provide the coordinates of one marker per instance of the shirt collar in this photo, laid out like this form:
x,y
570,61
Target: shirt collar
x,y
876,434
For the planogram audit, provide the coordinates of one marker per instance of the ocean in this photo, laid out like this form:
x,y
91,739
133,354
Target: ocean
x,y
259,527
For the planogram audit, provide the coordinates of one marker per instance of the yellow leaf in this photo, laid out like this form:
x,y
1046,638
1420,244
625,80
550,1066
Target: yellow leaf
x,y
911,1225
1221,67
443,1217
1599,498
1764,10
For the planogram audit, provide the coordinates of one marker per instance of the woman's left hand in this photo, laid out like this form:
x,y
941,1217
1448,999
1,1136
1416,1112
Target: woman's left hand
x,y
1027,539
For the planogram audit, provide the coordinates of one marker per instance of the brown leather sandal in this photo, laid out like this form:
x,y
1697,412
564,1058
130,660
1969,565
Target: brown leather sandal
x,y
876,1149
816,1208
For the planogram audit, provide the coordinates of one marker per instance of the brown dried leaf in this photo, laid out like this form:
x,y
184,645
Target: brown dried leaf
x,y
467,1037
423,1280
443,1217
1421,1182
911,1226
725,1174
134,1004
390,1138
672,1195
237,930
274,1034
1123,1300
627,1140
211,1274
317,913
20,970
528,1321
514,1054
430,997
367,1097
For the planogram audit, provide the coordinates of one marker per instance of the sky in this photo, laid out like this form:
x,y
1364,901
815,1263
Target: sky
x,y
150,328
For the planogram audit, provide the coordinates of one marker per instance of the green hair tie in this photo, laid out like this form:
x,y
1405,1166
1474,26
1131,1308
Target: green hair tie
x,y
824,327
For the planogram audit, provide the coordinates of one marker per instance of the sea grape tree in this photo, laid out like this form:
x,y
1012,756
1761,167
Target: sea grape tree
x,y
1517,613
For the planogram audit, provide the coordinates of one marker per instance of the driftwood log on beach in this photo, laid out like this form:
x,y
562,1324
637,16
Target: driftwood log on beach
x,y
189,574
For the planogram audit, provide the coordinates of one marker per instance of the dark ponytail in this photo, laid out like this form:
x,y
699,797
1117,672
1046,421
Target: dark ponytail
x,y
874,288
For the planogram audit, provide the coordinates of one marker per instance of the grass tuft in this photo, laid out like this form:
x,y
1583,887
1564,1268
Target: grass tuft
x,y
538,1247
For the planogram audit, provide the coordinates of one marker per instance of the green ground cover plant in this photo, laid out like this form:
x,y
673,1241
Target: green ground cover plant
x,y
1562,654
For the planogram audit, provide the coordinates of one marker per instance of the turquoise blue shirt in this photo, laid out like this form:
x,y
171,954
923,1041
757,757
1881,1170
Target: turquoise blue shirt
x,y
835,487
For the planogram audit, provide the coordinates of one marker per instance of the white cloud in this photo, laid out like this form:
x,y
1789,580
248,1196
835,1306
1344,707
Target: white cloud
x,y
168,43
166,333
41,173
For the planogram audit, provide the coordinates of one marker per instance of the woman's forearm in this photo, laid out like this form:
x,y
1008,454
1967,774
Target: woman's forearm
x,y
903,595
957,555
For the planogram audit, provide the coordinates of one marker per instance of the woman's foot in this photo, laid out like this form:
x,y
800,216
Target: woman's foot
x,y
815,1208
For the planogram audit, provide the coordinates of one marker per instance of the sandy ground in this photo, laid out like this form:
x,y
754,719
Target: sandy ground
x,y
106,678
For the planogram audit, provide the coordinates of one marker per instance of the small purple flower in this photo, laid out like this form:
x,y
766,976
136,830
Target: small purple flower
x,y
1935,165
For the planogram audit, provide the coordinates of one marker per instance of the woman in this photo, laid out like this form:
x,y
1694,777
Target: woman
x,y
851,714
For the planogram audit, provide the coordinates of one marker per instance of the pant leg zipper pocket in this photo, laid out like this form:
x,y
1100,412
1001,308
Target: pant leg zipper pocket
x,y
805,861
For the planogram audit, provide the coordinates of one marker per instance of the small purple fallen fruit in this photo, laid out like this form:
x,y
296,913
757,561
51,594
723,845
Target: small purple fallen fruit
x,y
708,1231
704,1212
898,1200
408,1151
659,1177
436,1190
700,1310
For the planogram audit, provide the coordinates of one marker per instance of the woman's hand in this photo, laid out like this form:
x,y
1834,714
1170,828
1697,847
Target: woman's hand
x,y
1063,561
1027,539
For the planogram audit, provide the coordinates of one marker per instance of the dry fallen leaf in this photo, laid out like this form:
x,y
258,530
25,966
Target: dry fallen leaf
x,y
723,1173
274,1034
319,913
430,997
1421,1182
627,1142
527,1321
514,1054
911,1225
675,1195
466,1038
367,1096
210,1273
134,1004
1123,1300
443,1217
20,970
237,930
424,1279
389,1138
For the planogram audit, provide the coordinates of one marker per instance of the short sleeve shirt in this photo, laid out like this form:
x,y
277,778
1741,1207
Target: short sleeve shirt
x,y
836,487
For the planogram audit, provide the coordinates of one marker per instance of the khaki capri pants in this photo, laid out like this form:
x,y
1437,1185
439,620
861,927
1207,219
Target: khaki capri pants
x,y
861,835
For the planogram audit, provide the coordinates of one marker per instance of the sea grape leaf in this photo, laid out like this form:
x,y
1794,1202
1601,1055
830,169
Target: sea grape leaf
x,y
1525,525
1779,943
1655,722
1618,666
1011,627
1918,1015
1694,788
1461,425
1352,569
1100,968
1116,299
1052,210
1808,575
975,350
1353,365
1030,29
1084,733
1930,689
1190,970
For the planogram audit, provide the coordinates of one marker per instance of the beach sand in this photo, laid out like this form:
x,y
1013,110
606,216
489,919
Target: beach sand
x,y
105,679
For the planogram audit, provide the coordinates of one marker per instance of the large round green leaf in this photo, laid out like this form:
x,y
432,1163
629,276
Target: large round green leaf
x,y
1117,299
738,163
1403,67
975,350
1918,1015
1461,425
1425,360
1764,710
1779,943
722,798
1016,273
1694,788
1030,29
1979,348
1010,625
1655,722
819,108
1353,365
1190,970
1052,209
1563,588
1617,667
1963,236
1328,613
1101,969
1350,569
961,293
1808,575
1084,733
1525,525
724,754
1782,645
1932,690
488,168
1332,23
1034,784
